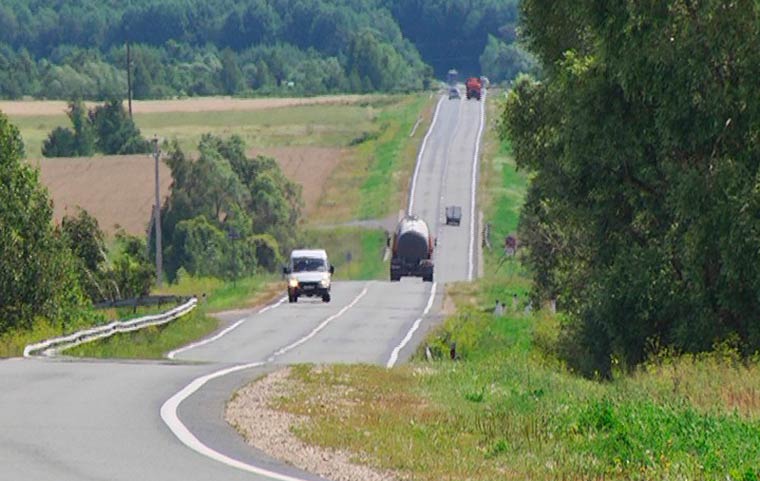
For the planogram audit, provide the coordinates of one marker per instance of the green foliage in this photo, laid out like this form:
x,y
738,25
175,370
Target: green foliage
x,y
107,127
227,214
38,276
77,49
64,142
116,132
133,271
60,143
642,216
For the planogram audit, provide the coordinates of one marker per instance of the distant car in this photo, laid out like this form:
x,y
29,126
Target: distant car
x,y
453,215
453,93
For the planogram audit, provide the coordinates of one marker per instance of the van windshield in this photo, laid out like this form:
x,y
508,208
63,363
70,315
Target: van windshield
x,y
308,264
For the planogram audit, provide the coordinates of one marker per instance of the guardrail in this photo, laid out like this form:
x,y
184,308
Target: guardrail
x,y
52,346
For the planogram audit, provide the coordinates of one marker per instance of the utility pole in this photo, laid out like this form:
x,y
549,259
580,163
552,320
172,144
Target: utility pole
x,y
157,216
129,79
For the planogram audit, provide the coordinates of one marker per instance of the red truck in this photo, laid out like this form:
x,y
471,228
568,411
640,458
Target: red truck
x,y
473,87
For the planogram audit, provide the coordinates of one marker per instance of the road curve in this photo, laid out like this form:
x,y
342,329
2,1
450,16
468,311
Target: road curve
x,y
103,420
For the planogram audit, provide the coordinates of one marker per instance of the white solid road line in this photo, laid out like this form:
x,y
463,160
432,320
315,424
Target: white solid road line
x,y
419,156
394,355
169,408
474,187
169,415
224,332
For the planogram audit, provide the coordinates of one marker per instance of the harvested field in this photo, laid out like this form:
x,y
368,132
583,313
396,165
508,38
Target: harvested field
x,y
114,189
119,189
308,166
199,104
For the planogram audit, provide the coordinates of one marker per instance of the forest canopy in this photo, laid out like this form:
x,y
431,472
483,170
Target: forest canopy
x,y
76,49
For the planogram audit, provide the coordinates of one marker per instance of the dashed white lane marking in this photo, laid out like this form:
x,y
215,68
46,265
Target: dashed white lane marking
x,y
169,408
394,355
224,332
419,156
321,326
474,187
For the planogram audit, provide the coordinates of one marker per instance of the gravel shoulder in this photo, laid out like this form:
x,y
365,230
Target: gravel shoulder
x,y
271,431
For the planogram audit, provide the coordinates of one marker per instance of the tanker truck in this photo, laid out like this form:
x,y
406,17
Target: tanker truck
x,y
412,250
473,87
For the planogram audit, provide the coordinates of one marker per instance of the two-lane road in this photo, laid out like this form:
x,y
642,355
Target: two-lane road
x,y
103,420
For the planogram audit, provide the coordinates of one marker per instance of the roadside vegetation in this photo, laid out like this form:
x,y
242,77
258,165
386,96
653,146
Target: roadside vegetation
x,y
373,183
509,407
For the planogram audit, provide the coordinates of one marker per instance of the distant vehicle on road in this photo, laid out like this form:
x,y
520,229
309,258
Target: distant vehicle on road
x,y
453,215
453,93
452,77
309,274
474,87
412,250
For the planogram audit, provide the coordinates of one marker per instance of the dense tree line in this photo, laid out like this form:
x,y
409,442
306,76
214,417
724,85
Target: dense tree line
x,y
228,215
643,217
76,49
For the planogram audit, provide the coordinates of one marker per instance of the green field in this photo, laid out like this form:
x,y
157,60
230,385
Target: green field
x,y
326,125
509,409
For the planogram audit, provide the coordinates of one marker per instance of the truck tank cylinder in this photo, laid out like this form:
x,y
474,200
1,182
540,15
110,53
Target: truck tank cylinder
x,y
412,245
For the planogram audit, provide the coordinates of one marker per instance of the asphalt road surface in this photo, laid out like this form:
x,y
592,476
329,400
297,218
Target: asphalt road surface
x,y
76,420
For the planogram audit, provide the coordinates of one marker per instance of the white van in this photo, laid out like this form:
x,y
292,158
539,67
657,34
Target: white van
x,y
309,273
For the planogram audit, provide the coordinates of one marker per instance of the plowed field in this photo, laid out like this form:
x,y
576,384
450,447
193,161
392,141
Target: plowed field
x,y
119,190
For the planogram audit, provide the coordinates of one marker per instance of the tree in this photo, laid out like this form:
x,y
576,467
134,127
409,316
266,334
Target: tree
x,y
643,142
232,77
37,273
61,142
133,270
227,214
116,131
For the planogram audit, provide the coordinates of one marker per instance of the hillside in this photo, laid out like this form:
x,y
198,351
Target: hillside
x,y
66,49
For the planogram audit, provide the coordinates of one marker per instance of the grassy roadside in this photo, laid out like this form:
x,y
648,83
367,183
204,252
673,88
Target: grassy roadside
x,y
507,409
373,181
355,252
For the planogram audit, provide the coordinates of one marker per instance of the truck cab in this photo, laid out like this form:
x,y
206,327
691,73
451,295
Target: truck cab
x,y
309,273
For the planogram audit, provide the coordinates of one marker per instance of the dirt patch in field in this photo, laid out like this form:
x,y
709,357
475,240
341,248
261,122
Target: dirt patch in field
x,y
308,166
201,104
119,190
